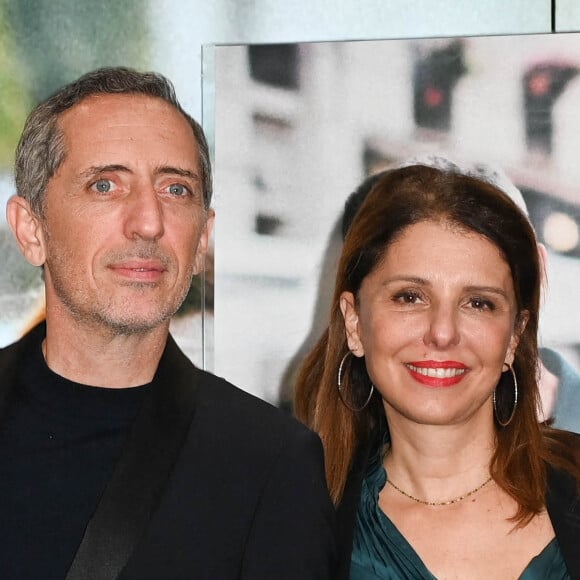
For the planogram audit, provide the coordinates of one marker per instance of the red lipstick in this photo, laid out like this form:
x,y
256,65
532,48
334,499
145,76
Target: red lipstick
x,y
437,374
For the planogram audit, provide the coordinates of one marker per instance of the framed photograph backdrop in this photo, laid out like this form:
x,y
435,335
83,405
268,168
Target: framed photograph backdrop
x,y
299,126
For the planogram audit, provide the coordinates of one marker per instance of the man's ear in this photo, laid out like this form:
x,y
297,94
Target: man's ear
x,y
203,243
27,229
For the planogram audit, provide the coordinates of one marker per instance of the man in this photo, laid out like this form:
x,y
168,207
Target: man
x,y
119,458
559,381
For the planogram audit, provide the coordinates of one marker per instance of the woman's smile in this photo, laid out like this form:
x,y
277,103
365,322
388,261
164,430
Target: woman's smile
x,y
437,373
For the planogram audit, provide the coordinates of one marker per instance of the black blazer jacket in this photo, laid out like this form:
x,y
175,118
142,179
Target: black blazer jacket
x,y
563,503
213,483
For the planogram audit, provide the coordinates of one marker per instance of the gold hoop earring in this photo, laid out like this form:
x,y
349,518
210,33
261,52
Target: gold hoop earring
x,y
340,393
501,422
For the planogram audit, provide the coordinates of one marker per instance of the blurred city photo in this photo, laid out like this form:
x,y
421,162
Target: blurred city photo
x,y
299,126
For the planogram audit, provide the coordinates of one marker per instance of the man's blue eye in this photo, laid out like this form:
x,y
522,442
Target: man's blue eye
x,y
177,189
103,186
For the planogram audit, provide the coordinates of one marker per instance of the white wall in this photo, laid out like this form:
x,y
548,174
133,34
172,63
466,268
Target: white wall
x,y
182,27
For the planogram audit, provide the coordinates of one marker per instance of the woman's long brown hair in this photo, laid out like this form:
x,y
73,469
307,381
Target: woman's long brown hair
x,y
399,199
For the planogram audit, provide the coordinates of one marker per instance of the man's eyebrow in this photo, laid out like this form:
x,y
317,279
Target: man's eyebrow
x,y
170,170
162,170
97,169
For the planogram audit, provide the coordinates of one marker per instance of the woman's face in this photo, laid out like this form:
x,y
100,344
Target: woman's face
x,y
435,322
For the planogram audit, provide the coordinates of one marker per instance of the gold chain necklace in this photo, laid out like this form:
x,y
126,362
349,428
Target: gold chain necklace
x,y
440,503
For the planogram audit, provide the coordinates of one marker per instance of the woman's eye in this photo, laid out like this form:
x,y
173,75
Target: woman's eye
x,y
481,304
407,297
178,189
103,186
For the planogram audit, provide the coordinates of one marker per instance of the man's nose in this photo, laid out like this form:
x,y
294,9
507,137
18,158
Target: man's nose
x,y
144,217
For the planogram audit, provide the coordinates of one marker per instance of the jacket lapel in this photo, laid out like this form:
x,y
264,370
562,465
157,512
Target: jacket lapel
x,y
11,363
137,483
563,503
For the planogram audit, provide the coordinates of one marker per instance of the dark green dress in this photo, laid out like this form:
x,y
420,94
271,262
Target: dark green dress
x,y
380,552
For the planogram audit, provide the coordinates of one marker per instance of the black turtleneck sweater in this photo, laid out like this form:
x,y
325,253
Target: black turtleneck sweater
x,y
58,447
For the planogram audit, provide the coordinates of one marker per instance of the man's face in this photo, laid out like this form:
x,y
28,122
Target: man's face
x,y
124,227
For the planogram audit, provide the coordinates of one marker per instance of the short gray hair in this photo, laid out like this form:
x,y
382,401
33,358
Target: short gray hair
x,y
41,149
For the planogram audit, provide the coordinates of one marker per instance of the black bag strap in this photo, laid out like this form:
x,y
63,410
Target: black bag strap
x,y
140,475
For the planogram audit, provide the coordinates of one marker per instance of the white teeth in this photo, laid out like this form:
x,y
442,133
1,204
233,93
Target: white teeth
x,y
438,373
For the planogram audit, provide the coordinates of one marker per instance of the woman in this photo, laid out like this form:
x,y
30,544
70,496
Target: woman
x,y
423,390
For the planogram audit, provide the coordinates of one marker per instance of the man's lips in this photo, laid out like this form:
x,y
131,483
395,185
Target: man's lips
x,y
139,269
437,373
